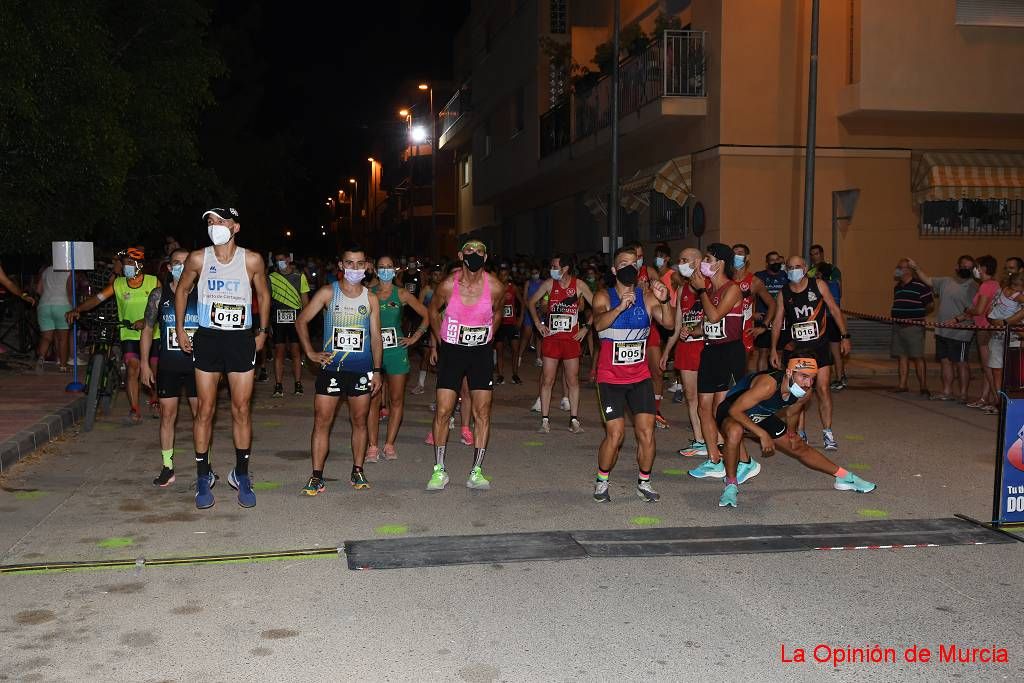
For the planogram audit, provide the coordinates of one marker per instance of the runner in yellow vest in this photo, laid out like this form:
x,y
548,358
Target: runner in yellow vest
x,y
132,292
289,294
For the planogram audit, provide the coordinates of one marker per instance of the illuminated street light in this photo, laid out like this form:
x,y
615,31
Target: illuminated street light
x,y
287,233
403,113
423,86
418,134
370,159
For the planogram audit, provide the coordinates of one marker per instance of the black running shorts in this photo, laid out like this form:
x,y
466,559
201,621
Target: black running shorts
x,y
224,351
772,424
347,384
170,382
474,363
721,365
613,399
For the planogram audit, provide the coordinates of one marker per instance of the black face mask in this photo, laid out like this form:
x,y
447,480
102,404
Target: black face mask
x,y
775,267
473,261
626,275
964,273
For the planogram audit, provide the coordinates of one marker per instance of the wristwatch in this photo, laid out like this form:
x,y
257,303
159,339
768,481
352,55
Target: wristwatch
x,y
379,371
262,330
844,336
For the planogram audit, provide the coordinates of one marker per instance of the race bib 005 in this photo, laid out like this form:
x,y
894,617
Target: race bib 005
x,y
629,352
805,331
714,330
227,316
348,339
389,336
171,338
285,315
560,322
473,336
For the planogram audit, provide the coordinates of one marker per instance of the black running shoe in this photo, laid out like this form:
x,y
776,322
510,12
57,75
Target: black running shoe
x,y
298,389
516,380
359,480
262,377
165,479
278,391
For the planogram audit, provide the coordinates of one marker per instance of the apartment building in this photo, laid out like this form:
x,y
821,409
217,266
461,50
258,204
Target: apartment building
x,y
920,128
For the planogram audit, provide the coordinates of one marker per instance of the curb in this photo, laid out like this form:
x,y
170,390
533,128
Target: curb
x,y
43,432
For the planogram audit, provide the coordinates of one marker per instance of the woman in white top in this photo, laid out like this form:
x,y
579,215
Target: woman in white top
x,y
1007,311
54,287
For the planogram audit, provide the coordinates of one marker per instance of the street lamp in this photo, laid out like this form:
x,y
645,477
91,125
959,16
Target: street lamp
x,y
351,205
418,134
404,113
433,162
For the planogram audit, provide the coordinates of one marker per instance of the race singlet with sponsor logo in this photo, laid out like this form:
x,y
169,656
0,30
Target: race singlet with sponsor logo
x,y
225,292
347,331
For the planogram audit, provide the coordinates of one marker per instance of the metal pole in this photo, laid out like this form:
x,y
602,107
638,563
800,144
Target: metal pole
x,y
433,171
75,385
613,203
812,122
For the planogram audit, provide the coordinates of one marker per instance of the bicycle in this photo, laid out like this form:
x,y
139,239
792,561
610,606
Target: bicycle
x,y
104,377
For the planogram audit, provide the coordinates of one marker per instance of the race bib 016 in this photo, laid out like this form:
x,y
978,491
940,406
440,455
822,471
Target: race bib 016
x,y
473,336
227,316
560,322
805,331
389,336
285,315
348,339
629,352
171,338
714,330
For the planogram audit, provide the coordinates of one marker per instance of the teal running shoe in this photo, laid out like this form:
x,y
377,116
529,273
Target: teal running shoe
x,y
709,470
728,498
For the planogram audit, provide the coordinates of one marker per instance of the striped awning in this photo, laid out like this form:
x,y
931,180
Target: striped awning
x,y
938,176
672,178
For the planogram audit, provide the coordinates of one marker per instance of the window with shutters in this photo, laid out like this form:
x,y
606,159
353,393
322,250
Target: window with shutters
x,y
990,13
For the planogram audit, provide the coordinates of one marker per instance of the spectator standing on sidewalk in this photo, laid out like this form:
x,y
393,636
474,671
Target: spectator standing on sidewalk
x,y
951,344
911,299
54,289
988,289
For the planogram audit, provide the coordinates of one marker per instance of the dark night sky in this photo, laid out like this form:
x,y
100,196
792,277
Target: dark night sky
x,y
333,76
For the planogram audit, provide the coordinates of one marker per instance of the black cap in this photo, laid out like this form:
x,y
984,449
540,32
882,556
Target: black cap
x,y
228,214
722,252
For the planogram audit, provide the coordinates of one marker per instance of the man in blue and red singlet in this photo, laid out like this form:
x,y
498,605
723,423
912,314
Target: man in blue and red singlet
x,y
622,318
561,334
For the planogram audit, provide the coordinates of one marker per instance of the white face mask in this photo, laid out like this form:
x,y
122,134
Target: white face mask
x,y
796,389
556,273
976,272
685,269
282,265
219,234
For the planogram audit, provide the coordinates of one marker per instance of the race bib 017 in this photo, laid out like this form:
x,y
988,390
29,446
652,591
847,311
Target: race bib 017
x,y
389,336
714,330
805,331
473,336
629,352
560,322
171,338
227,316
285,316
348,339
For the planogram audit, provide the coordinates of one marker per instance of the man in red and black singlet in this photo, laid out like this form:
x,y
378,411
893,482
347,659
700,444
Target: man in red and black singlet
x,y
754,292
723,360
512,308
622,318
561,334
807,309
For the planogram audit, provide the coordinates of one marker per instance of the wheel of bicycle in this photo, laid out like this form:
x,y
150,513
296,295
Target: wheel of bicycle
x,y
111,386
94,381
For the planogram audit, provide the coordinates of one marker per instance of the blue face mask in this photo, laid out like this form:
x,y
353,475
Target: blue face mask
x,y
282,265
556,273
738,260
386,274
176,270
659,261
130,272
796,389
795,274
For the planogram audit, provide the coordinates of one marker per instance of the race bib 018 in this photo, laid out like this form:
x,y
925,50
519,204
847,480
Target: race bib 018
x,y
629,352
171,338
285,316
389,336
473,336
714,330
348,339
560,322
227,316
805,331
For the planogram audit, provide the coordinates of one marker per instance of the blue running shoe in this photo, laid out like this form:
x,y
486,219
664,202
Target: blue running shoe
x,y
803,435
851,482
243,484
728,498
204,496
746,470
708,469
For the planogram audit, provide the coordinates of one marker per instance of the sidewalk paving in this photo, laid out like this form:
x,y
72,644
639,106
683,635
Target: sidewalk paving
x,y
34,409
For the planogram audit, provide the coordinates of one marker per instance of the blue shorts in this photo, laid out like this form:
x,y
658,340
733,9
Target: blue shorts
x,y
51,316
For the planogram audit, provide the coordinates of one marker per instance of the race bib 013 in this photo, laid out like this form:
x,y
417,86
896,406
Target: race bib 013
x,y
389,336
227,316
629,352
349,339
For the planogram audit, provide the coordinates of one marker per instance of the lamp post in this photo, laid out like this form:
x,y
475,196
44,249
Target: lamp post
x,y
433,163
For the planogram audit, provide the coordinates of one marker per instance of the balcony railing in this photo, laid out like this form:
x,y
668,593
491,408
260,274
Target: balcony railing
x,y
673,66
457,106
555,129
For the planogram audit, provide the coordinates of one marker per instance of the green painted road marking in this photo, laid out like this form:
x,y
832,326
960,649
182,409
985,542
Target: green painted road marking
x,y
391,529
868,512
104,426
533,444
116,542
29,495
674,473
266,485
646,521
858,466
854,437
270,424
423,421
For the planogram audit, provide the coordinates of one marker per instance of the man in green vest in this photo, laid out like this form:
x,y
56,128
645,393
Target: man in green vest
x,y
131,291
289,293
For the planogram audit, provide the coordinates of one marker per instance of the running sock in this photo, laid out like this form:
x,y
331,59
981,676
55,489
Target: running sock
x,y
319,474
840,473
478,457
439,456
573,417
643,476
168,458
356,468
731,480
242,460
423,377
203,464
544,417
657,403
602,475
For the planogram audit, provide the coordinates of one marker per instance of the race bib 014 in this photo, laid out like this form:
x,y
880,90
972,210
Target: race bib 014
x,y
473,336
